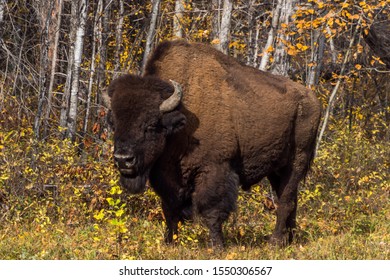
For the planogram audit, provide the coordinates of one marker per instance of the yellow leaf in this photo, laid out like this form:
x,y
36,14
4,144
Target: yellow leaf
x,y
292,51
270,49
231,256
302,47
358,66
381,62
100,215
355,16
215,42
360,48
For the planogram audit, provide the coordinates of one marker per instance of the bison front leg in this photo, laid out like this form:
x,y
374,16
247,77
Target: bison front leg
x,y
215,198
172,221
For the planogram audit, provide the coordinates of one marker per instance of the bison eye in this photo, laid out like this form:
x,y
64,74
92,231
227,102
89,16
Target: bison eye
x,y
151,128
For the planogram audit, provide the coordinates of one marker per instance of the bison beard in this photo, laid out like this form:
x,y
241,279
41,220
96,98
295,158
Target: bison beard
x,y
202,124
133,185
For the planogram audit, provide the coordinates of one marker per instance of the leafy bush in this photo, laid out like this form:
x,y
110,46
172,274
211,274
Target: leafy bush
x,y
58,203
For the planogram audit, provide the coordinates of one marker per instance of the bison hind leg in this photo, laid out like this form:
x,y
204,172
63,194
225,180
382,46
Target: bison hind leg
x,y
285,183
285,187
215,198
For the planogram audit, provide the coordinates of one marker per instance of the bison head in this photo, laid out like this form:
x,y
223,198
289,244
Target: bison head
x,y
144,112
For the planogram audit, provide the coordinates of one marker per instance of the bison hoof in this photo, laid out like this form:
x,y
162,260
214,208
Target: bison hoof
x,y
280,240
170,239
217,243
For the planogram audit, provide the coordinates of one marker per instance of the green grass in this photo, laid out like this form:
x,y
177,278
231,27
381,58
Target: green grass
x,y
365,237
55,204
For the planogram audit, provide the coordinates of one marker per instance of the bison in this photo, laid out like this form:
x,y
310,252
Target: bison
x,y
199,124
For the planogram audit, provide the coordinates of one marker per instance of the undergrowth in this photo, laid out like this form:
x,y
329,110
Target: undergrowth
x,y
59,204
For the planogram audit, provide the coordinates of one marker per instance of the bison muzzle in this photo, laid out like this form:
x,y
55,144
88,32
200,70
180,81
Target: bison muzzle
x,y
198,125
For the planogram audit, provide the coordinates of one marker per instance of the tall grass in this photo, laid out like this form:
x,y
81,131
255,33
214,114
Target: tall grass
x,y
56,204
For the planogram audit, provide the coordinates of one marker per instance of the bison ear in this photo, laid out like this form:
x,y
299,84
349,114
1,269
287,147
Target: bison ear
x,y
173,122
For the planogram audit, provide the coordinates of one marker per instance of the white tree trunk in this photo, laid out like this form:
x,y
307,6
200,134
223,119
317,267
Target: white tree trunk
x,y
331,45
178,19
215,19
118,50
225,26
266,55
336,87
281,63
92,69
251,40
68,82
151,32
104,11
44,9
58,9
256,48
2,5
317,53
78,52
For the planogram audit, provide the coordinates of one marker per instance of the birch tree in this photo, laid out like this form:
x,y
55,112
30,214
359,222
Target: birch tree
x,y
317,54
178,19
78,51
280,65
2,6
67,87
215,20
151,32
118,40
336,87
57,11
253,35
102,31
2,81
92,69
45,10
267,50
225,26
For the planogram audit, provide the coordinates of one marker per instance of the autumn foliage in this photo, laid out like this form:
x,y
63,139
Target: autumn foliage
x,y
60,199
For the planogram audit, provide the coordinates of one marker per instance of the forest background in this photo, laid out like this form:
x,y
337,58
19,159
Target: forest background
x,y
59,192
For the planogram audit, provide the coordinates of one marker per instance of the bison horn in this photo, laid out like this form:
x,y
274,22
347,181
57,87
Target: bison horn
x,y
174,100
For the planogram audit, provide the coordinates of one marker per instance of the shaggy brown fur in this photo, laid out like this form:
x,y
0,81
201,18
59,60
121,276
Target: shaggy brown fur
x,y
242,124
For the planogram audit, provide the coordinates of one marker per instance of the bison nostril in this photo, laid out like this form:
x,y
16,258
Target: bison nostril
x,y
130,162
124,160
